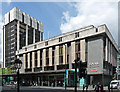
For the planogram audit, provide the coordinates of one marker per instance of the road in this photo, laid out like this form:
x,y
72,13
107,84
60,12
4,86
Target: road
x,y
28,89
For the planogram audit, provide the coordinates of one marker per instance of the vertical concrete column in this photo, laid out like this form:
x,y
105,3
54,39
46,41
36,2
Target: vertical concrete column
x,y
111,55
33,61
106,50
72,52
28,60
65,54
24,60
82,50
109,51
18,35
50,56
56,57
44,59
26,35
33,35
38,58
40,36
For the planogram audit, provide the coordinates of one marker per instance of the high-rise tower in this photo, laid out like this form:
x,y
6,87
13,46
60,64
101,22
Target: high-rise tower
x,y
19,30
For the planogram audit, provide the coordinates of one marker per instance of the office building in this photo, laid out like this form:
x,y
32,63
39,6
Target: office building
x,y
19,30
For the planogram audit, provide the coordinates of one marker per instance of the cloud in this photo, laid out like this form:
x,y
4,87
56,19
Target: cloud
x,y
91,13
8,1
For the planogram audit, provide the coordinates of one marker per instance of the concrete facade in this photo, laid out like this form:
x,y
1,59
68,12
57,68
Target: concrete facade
x,y
20,29
96,46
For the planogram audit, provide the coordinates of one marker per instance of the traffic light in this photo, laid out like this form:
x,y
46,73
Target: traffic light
x,y
82,69
114,70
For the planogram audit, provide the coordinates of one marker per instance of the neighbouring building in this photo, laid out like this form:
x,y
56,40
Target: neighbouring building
x,y
118,65
44,62
20,29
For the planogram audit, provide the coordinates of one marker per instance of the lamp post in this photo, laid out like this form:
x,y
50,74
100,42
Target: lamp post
x,y
76,62
18,65
65,67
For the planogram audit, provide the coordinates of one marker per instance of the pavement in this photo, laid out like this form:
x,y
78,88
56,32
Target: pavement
x,y
49,89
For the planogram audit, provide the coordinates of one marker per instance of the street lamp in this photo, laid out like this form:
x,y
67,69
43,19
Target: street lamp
x,y
76,62
18,65
65,68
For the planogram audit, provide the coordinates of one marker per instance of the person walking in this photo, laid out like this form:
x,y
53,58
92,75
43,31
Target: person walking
x,y
97,88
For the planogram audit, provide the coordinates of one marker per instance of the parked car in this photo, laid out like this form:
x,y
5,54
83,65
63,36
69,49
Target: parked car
x,y
115,84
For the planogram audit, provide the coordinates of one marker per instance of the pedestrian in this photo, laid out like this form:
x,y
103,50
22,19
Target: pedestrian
x,y
101,88
97,88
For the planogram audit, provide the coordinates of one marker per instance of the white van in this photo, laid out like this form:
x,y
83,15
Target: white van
x,y
115,84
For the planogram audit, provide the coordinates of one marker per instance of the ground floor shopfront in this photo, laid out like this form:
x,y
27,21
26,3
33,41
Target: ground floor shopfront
x,y
56,79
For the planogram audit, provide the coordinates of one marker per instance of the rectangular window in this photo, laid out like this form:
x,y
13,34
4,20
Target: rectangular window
x,y
37,26
30,22
53,55
46,43
37,35
30,59
47,56
41,57
77,48
35,58
61,54
30,35
41,36
22,18
60,39
76,34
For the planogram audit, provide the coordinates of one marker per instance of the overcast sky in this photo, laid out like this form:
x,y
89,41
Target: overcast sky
x,y
63,17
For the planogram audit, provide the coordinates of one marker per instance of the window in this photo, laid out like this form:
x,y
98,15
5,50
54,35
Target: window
x,y
22,18
46,43
35,58
30,59
25,49
76,34
47,56
30,22
41,57
41,36
37,26
77,49
35,46
60,39
53,55
60,54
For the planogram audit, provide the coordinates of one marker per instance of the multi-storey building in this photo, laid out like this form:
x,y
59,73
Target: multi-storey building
x,y
118,65
20,29
45,61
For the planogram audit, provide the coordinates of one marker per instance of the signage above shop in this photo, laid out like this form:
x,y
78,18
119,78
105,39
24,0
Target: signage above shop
x,y
94,70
